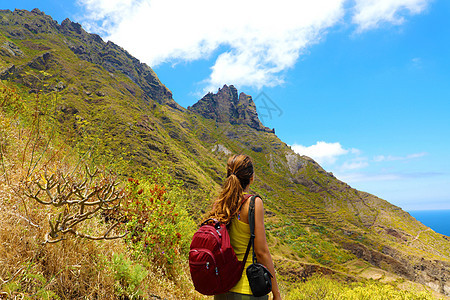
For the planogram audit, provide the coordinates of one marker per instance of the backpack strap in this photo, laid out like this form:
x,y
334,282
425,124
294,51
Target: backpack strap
x,y
246,197
213,222
251,222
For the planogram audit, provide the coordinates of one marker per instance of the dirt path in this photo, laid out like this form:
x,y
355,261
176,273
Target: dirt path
x,y
418,234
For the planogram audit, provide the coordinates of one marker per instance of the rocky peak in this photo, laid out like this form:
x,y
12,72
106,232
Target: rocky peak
x,y
68,26
22,24
227,106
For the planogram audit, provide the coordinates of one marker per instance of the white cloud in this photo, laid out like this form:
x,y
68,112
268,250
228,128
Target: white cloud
x,y
322,152
262,38
416,63
255,40
356,177
355,164
346,171
381,158
355,151
366,177
370,14
107,13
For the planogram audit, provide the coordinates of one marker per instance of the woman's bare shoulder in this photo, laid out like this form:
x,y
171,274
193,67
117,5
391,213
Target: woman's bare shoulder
x,y
259,200
259,204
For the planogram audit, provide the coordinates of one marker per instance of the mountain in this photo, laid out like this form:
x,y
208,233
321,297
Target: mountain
x,y
227,107
115,108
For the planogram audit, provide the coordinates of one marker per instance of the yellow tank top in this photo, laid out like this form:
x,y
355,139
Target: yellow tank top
x,y
239,238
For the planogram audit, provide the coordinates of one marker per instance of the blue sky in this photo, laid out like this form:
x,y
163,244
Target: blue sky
x,y
361,86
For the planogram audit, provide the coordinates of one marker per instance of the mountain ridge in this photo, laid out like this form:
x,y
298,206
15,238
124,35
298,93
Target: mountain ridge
x,y
311,215
91,47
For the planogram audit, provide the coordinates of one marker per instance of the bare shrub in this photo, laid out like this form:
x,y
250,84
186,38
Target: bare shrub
x,y
76,198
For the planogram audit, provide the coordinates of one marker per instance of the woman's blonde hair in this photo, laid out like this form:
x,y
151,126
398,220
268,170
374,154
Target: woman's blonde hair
x,y
239,174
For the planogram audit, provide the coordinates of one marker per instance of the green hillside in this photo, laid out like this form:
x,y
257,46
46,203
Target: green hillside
x,y
99,105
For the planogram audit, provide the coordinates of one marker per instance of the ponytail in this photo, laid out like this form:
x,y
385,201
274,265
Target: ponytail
x,y
239,172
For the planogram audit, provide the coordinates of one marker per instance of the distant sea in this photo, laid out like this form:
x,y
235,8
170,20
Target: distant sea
x,y
438,220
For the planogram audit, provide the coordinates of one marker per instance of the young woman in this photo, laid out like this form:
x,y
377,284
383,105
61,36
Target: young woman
x,y
231,207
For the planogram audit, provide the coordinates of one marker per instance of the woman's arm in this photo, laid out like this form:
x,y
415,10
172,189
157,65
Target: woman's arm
x,y
261,247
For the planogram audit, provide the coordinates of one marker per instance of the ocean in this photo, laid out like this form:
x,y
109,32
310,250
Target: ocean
x,y
438,220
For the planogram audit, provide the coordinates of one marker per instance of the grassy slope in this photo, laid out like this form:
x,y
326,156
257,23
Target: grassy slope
x,y
312,217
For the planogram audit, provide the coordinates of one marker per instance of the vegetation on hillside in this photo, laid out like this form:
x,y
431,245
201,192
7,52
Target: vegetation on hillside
x,y
323,288
150,261
75,266
71,102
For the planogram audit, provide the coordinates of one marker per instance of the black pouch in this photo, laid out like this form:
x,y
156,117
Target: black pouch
x,y
259,279
258,275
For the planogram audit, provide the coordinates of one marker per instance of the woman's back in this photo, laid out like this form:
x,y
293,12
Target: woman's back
x,y
239,237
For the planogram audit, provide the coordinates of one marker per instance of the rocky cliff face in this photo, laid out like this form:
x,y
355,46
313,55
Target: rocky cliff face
x,y
226,106
23,25
114,58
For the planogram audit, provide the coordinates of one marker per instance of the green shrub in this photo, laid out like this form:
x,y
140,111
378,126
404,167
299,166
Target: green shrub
x,y
128,275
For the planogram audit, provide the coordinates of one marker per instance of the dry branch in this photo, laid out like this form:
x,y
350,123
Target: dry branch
x,y
79,197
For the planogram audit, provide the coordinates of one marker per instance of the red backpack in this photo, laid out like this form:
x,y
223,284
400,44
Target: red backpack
x,y
214,266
